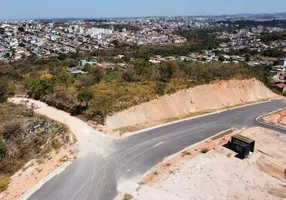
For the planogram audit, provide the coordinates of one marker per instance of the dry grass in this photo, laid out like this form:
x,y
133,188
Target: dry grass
x,y
264,58
175,85
222,134
186,153
56,144
127,129
205,150
4,182
114,97
127,197
26,137
155,173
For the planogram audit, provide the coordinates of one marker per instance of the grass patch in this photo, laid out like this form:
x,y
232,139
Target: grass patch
x,y
205,150
27,167
127,197
222,134
4,182
127,129
39,170
168,165
186,153
56,144
64,159
109,100
155,173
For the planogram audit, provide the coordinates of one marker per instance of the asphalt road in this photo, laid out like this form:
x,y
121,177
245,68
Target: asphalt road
x,y
96,178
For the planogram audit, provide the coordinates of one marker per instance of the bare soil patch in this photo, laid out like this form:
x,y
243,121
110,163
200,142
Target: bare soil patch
x,y
218,174
34,171
185,102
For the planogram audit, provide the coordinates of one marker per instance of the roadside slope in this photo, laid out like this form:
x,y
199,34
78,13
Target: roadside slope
x,y
201,98
89,140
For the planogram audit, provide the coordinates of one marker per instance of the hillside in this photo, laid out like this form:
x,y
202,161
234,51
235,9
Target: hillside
x,y
201,98
98,93
25,136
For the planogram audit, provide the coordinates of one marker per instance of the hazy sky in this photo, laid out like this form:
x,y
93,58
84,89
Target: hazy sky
x,y
18,9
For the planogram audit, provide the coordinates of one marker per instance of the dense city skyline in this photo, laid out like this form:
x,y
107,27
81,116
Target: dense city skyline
x,y
31,9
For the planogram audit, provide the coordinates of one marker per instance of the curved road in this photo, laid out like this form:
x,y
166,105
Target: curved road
x,y
96,177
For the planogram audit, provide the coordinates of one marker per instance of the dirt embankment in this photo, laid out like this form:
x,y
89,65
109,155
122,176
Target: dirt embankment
x,y
181,104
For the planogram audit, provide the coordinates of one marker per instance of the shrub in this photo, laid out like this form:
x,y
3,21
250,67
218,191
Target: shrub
x,y
62,100
3,92
2,149
23,138
85,95
205,150
160,88
127,197
12,130
39,88
56,144
186,153
4,183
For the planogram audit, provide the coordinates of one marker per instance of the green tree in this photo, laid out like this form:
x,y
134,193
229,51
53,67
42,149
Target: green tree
x,y
247,57
2,149
221,58
130,75
86,80
85,95
39,88
97,73
168,70
160,88
64,77
62,56
3,92
2,30
21,29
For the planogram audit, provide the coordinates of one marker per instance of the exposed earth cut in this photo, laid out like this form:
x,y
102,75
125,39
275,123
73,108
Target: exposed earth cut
x,y
219,95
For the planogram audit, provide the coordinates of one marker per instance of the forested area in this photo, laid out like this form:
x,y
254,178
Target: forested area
x,y
270,37
252,23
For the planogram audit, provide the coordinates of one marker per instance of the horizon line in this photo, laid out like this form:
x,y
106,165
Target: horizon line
x,y
147,16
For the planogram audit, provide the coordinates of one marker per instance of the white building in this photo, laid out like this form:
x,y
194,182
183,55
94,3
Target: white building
x,y
98,31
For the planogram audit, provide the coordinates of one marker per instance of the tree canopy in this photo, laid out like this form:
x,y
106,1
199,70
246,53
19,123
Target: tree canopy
x,y
39,88
85,95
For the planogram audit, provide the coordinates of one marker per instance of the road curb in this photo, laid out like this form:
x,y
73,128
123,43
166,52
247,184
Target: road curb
x,y
258,119
36,187
189,118
166,159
